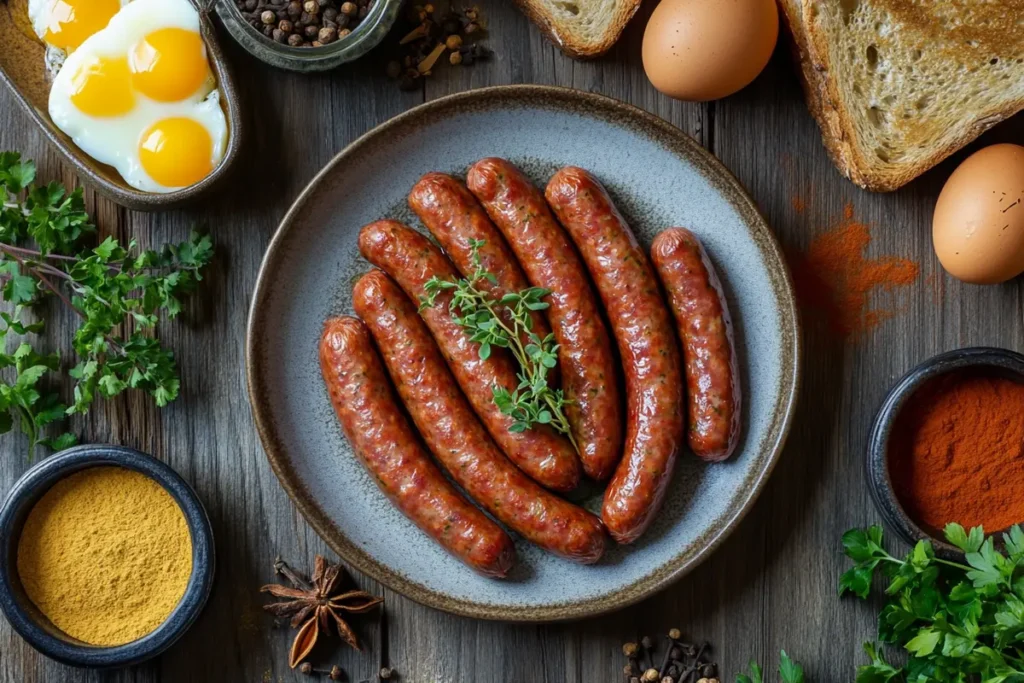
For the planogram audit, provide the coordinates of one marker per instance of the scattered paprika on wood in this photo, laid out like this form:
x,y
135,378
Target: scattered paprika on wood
x,y
834,279
957,452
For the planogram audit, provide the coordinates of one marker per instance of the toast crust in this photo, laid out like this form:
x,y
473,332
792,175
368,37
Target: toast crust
x,y
829,109
568,43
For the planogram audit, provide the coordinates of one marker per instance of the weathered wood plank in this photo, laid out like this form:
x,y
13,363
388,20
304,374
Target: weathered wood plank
x,y
770,585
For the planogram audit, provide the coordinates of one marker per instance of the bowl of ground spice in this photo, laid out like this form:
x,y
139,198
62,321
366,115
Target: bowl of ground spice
x,y
106,556
947,446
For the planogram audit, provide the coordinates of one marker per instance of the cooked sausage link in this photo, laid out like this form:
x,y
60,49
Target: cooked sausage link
x,y
642,327
384,441
705,330
585,357
456,437
411,260
456,220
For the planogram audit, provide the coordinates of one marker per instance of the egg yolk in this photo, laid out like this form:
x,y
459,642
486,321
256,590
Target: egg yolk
x,y
176,152
102,87
168,65
70,22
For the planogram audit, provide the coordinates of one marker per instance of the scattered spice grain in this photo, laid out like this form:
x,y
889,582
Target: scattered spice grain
x,y
835,279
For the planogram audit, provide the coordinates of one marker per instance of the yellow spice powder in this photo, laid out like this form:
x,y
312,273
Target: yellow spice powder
x,y
106,555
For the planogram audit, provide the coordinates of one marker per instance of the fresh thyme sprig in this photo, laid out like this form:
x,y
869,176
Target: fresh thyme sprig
x,y
110,287
507,323
958,622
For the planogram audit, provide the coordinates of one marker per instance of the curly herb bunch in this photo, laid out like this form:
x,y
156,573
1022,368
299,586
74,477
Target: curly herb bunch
x,y
110,287
533,401
958,622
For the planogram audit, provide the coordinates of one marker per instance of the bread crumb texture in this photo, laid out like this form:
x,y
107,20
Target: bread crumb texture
x,y
911,81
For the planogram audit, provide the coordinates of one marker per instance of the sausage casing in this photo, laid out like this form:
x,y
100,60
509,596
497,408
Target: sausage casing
x,y
642,326
705,330
411,260
384,441
454,434
457,221
585,357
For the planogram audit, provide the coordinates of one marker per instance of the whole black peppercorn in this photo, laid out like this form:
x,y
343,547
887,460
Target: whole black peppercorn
x,y
329,14
311,31
268,31
305,19
250,5
343,32
342,21
295,40
286,26
349,8
311,7
327,35
268,17
279,35
294,9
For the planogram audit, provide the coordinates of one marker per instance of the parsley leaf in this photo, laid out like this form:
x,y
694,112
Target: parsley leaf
x,y
959,622
118,291
789,671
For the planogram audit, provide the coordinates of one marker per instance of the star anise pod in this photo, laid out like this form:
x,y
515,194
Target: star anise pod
x,y
312,606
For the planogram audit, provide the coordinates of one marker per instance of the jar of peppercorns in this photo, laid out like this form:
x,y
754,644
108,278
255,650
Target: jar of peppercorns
x,y
308,35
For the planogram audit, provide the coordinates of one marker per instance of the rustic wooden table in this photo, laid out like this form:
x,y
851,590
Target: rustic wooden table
x,y
770,586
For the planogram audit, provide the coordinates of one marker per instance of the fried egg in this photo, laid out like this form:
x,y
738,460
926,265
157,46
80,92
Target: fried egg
x,y
139,95
65,24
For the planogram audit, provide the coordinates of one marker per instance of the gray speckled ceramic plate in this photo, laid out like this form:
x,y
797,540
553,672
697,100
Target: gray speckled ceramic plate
x,y
659,178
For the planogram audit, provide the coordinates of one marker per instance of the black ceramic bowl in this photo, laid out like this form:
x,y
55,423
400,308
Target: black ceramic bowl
x,y
991,361
37,629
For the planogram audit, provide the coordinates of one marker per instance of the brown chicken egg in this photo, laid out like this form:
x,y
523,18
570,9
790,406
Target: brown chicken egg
x,y
978,227
706,49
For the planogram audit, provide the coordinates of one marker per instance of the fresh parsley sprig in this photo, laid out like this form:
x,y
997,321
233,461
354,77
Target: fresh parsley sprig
x,y
789,671
958,622
118,292
507,323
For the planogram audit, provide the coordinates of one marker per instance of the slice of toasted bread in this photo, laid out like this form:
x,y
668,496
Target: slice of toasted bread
x,y
581,28
898,85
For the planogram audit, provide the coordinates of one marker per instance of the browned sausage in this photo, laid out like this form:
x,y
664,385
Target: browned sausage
x,y
455,435
709,357
389,449
642,327
585,355
411,259
454,217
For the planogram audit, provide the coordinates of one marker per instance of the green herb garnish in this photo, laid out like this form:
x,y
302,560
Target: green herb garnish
x,y
118,292
481,315
958,622
789,671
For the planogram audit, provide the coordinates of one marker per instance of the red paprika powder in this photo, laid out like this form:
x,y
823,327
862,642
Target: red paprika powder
x,y
957,452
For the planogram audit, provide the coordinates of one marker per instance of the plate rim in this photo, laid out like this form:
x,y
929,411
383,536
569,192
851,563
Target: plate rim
x,y
678,566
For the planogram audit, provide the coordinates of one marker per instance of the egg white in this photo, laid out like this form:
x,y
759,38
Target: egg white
x,y
39,15
115,140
